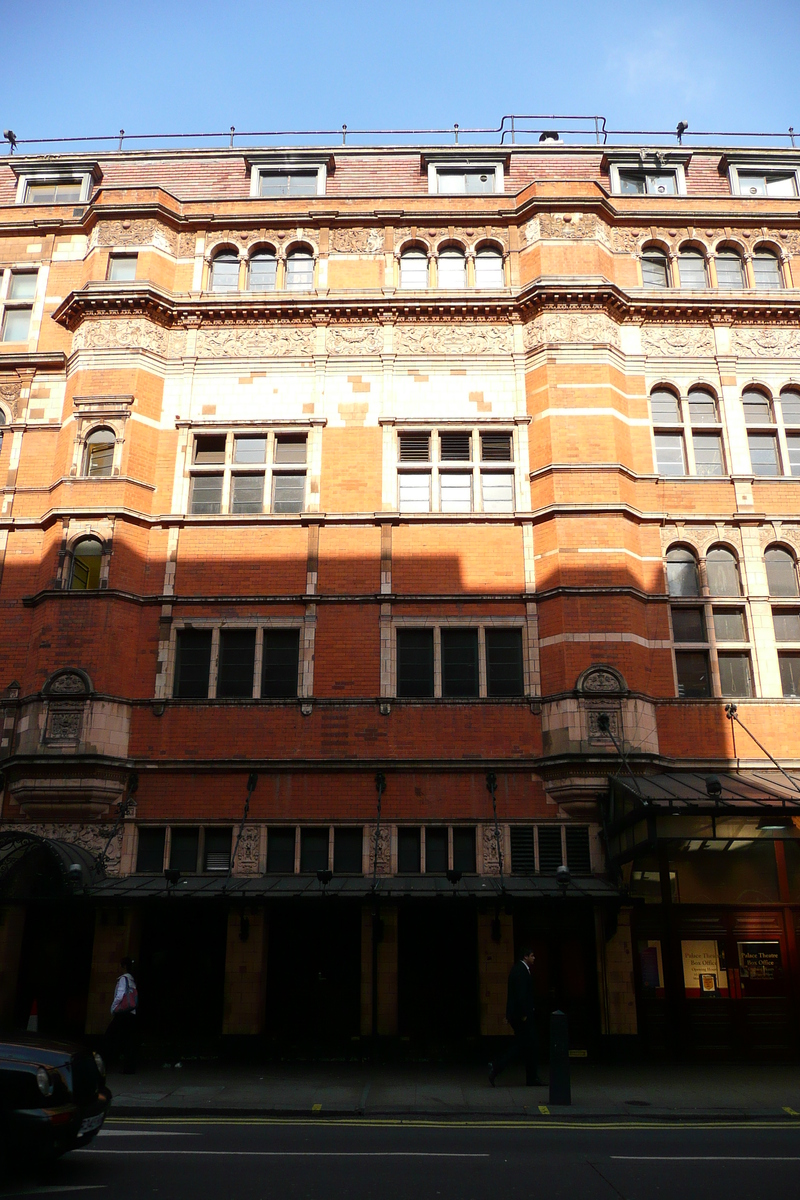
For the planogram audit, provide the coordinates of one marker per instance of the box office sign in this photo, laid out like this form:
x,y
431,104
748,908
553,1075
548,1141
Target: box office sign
x,y
704,973
759,960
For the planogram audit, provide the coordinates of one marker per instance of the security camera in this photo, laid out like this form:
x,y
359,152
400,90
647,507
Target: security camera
x,y
563,877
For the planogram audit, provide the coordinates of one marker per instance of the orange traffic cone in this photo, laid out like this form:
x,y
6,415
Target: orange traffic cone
x,y
33,1019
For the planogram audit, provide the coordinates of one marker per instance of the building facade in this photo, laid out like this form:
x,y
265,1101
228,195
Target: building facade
x,y
383,532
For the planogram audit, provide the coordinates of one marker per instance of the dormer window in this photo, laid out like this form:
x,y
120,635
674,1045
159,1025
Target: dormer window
x,y
44,182
67,192
771,176
464,183
767,183
647,183
287,183
288,177
473,176
647,174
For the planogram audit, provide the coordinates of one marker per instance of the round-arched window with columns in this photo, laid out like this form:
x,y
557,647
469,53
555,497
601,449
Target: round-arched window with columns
x,y
87,557
262,271
98,457
655,268
300,269
722,571
692,267
489,268
730,269
781,572
414,269
452,267
683,577
224,272
767,272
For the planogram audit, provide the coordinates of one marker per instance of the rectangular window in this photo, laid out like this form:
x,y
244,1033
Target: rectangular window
x,y
206,494
787,624
692,269
579,858
504,662
414,492
459,662
250,450
669,454
22,285
408,855
185,844
523,855
735,678
237,656
790,673
67,191
209,450
470,183
150,853
290,448
217,850
455,447
793,443
550,856
313,850
729,272
498,491
247,494
694,677
436,850
415,447
280,851
456,492
708,454
348,851
729,625
464,850
16,324
287,183
688,625
280,663
763,453
414,662
650,183
192,664
288,492
122,267
767,183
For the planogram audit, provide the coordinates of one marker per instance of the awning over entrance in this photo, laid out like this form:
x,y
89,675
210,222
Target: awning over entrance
x,y
32,866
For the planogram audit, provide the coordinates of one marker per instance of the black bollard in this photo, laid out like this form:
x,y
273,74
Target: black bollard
x,y
560,1092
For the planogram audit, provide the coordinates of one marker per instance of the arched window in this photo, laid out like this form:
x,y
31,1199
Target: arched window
x,y
730,272
262,271
452,266
692,267
723,573
300,270
489,268
655,268
86,557
767,270
99,455
790,408
702,407
414,269
683,578
781,572
762,437
225,272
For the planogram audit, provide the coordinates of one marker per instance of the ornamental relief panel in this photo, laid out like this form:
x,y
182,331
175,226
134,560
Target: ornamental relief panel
x,y
701,537
571,327
269,341
93,838
9,395
384,849
135,233
779,531
669,340
357,241
453,339
246,862
470,235
187,244
491,859
354,339
127,333
765,343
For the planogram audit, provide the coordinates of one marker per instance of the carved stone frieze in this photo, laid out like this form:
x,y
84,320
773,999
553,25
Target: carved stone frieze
x,y
64,722
354,339
9,395
567,225
93,838
135,233
128,333
69,683
779,531
571,327
670,340
245,340
248,850
187,244
453,339
765,343
357,241
491,860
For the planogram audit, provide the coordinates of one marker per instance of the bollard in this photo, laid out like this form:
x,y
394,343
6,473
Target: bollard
x,y
559,1059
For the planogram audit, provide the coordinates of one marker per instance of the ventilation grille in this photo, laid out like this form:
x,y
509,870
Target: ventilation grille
x,y
523,860
579,859
455,447
549,849
496,447
415,447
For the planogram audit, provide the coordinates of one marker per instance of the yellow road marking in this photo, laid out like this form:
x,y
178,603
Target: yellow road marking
x,y
791,1112
544,1110
316,1108
439,1123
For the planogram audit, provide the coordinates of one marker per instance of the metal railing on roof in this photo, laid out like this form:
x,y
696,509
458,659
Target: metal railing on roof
x,y
552,129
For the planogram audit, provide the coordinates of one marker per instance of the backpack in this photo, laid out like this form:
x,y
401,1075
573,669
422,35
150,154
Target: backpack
x,y
130,997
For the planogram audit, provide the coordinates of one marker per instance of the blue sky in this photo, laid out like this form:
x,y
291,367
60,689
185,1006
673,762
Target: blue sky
x,y
94,66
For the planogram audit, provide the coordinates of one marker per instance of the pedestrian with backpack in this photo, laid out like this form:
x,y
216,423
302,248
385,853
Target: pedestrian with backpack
x,y
122,1035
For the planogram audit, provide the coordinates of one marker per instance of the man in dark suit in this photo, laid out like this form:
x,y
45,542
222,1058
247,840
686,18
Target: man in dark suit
x,y
520,1016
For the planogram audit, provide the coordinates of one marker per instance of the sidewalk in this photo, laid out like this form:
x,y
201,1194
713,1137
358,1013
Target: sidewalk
x,y
638,1091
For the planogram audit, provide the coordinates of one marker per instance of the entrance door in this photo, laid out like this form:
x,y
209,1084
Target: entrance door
x,y
55,965
437,965
314,976
181,975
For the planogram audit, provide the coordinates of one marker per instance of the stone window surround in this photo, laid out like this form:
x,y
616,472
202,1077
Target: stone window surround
x,y
475,465
169,826
777,428
35,305
723,245
433,251
74,533
661,161
481,624
99,412
305,682
85,172
268,429
318,164
686,428
471,160
282,253
767,163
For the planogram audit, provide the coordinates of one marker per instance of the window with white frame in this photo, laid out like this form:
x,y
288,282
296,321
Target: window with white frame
x,y
299,270
647,182
237,662
451,266
224,272
262,271
452,660
655,268
692,270
767,273
771,180
730,269
455,471
248,472
414,269
98,458
781,566
449,177
17,294
710,624
276,179
647,175
762,432
85,567
55,186
489,268
122,267
687,433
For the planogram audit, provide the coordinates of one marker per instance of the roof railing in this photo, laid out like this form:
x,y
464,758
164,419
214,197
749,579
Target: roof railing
x,y
552,128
